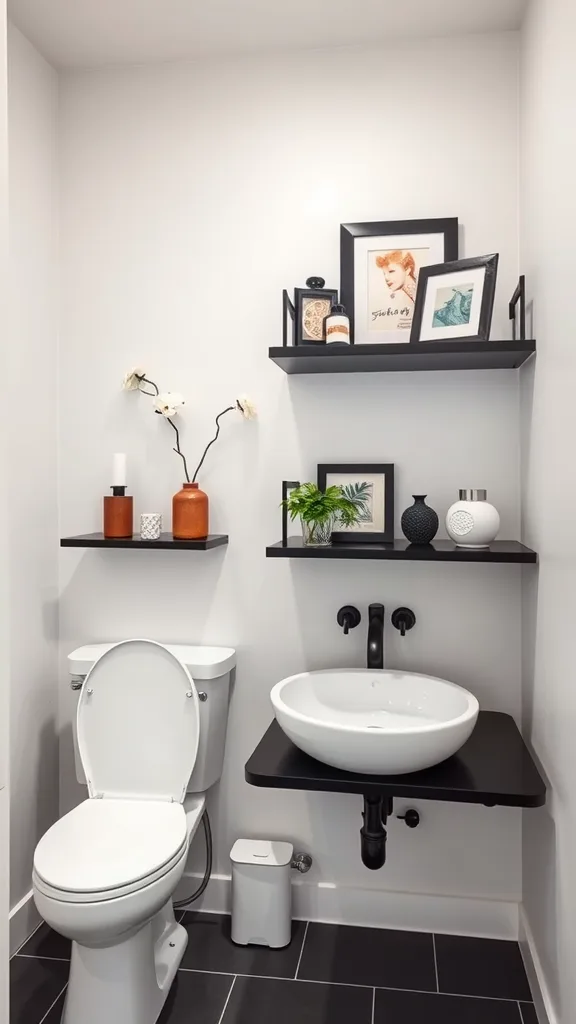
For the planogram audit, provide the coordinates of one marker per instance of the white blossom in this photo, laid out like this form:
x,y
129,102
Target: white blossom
x,y
246,408
168,403
132,379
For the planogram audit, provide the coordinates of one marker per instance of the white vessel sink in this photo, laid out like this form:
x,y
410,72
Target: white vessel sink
x,y
377,722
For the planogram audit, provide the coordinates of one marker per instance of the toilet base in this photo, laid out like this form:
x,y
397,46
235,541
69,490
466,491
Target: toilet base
x,y
127,982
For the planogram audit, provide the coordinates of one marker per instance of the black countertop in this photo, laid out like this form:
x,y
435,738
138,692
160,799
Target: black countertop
x,y
493,767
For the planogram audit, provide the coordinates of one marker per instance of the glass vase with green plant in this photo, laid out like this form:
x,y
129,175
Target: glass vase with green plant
x,y
319,510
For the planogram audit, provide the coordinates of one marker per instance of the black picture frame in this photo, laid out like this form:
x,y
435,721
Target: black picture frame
x,y
447,226
385,469
300,296
444,269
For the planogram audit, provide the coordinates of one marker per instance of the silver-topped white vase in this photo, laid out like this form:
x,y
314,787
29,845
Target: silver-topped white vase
x,y
472,522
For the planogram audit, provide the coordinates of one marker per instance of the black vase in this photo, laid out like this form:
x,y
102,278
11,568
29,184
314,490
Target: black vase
x,y
419,522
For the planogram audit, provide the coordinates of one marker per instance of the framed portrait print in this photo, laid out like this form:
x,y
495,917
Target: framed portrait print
x,y
311,306
379,266
371,488
454,301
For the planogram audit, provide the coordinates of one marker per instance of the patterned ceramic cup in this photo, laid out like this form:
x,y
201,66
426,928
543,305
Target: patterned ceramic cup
x,y
150,525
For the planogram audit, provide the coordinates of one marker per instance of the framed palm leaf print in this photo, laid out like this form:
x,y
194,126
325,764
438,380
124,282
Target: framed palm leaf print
x,y
371,488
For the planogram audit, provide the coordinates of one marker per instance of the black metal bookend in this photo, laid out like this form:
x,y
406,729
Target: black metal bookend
x,y
518,321
287,485
287,310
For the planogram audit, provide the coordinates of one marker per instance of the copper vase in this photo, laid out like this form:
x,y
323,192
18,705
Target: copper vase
x,y
190,513
118,517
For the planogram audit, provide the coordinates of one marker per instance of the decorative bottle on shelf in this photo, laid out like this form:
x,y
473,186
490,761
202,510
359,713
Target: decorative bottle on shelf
x,y
337,325
472,522
118,514
190,513
419,522
118,518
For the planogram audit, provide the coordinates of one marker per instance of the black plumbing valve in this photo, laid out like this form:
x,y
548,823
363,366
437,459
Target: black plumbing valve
x,y
411,818
348,617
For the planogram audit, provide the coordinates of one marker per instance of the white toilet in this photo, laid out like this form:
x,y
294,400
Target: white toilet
x,y
105,873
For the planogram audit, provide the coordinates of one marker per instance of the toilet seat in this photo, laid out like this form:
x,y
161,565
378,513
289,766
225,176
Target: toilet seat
x,y
106,848
138,723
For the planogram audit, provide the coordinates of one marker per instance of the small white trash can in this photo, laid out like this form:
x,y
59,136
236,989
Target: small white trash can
x,y
261,893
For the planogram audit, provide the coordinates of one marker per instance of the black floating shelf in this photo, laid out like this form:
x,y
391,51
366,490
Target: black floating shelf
x,y
437,551
428,355
166,542
493,767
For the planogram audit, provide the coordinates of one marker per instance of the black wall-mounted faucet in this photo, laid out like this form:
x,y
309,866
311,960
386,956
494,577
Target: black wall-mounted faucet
x,y
375,653
403,619
348,617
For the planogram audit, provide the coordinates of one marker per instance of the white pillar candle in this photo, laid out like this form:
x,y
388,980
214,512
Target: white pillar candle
x,y
119,470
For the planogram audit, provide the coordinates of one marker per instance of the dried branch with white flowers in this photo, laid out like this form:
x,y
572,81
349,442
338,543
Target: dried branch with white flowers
x,y
168,403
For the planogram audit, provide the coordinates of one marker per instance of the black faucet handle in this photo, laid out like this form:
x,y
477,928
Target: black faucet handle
x,y
348,617
403,619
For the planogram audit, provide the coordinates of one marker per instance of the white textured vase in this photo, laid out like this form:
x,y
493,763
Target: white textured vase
x,y
472,522
150,525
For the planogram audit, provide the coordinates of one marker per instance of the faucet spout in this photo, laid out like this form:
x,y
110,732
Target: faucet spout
x,y
375,652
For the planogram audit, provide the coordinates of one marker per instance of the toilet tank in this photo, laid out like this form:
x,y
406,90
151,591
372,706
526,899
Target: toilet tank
x,y
210,668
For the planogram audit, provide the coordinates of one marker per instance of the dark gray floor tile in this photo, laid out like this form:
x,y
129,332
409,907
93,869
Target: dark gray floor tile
x,y
481,967
368,956
210,948
528,1013
196,998
45,942
262,1000
34,985
421,1008
55,1015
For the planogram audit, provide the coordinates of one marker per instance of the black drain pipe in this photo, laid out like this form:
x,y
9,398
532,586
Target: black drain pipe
x,y
373,833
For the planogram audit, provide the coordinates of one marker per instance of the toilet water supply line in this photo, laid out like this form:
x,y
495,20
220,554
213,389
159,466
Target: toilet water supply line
x,y
301,862
180,904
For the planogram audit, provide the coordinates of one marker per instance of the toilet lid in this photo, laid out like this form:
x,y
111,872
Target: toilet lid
x,y
104,844
138,723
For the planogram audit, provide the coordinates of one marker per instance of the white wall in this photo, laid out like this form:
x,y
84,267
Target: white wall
x,y
190,196
548,164
31,480
5,313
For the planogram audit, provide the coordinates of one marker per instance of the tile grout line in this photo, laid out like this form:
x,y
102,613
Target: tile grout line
x,y
301,951
35,956
373,1003
22,944
353,984
221,1018
435,962
50,1008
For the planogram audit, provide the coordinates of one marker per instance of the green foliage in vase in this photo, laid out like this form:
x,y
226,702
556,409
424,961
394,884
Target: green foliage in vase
x,y
360,494
315,506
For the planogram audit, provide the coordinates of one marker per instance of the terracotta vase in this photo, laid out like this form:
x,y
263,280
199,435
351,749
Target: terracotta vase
x,y
190,513
118,517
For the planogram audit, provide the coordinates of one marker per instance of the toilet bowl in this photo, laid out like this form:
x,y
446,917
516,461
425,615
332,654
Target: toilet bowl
x,y
105,873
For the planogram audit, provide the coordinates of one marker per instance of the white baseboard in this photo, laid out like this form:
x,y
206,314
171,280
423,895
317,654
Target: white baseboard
x,y
24,919
374,908
536,978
